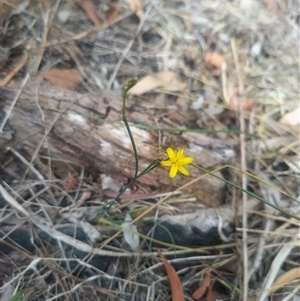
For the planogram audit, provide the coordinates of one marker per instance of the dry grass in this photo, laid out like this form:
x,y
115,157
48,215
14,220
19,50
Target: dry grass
x,y
59,255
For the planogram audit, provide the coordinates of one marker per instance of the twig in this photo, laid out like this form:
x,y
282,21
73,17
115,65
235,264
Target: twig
x,y
47,20
23,83
124,53
272,196
292,293
12,201
276,264
41,143
47,131
25,162
243,168
86,33
14,71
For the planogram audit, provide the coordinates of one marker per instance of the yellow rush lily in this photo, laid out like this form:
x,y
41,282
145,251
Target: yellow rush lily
x,y
176,162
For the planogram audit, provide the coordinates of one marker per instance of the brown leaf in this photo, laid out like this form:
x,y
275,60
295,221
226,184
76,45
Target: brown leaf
x,y
214,62
210,294
177,292
201,290
285,279
111,14
175,116
71,182
246,104
91,11
135,6
164,79
65,78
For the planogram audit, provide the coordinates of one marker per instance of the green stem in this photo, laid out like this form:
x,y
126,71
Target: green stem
x,y
248,192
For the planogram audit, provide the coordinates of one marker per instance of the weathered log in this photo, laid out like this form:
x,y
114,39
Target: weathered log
x,y
87,129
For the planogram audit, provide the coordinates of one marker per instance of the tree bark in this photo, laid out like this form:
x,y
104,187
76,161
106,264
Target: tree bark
x,y
87,129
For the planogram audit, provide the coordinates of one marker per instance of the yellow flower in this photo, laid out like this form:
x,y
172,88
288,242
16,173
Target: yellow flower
x,y
176,161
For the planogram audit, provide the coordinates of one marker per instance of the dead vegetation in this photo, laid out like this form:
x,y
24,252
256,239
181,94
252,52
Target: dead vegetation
x,y
219,78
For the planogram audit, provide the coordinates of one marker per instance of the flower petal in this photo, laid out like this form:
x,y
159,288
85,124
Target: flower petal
x,y
180,153
166,163
185,160
173,171
171,154
183,170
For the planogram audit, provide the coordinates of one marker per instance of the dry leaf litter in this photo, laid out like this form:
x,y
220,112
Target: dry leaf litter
x,y
210,65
